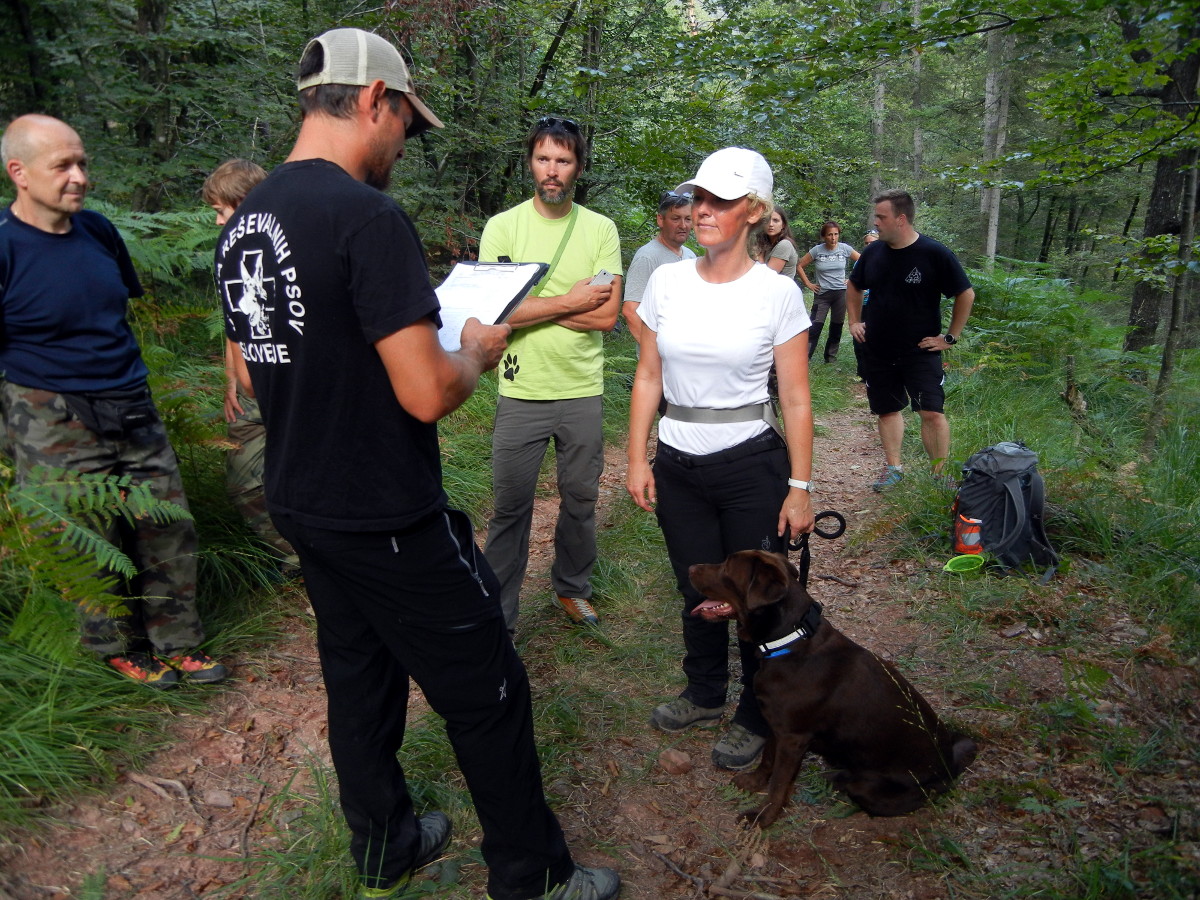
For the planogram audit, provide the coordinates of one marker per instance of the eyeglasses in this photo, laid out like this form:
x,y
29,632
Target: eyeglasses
x,y
555,122
671,195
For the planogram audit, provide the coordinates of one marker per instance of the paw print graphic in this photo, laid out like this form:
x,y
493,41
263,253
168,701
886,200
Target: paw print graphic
x,y
511,368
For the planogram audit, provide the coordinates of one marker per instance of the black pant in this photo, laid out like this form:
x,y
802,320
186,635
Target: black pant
x,y
708,507
424,603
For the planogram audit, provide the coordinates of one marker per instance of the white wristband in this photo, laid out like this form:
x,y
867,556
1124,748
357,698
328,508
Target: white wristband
x,y
803,485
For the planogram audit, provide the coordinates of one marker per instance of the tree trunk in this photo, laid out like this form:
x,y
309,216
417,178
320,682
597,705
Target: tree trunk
x,y
1071,241
1158,403
36,92
918,160
1178,97
1137,199
995,133
1048,232
589,60
153,129
878,109
1162,217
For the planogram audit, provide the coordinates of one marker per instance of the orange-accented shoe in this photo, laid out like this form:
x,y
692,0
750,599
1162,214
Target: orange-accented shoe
x,y
198,667
579,610
145,668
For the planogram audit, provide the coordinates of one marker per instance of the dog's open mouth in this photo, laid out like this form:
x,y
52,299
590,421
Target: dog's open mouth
x,y
713,609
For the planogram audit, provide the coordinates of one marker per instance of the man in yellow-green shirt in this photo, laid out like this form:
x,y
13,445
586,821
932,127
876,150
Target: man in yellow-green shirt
x,y
552,377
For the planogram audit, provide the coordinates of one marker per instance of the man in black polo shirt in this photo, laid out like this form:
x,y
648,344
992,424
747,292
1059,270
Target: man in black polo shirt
x,y
902,336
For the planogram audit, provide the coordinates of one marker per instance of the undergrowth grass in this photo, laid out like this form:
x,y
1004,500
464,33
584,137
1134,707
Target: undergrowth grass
x,y
1049,695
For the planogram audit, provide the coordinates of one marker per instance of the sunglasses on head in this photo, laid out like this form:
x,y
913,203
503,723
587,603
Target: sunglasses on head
x,y
671,195
556,122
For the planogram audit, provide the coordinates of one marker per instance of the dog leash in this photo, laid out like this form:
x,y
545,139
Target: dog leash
x,y
800,542
812,617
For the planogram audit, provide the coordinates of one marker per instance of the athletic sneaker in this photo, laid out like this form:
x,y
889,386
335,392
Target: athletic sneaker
x,y
889,477
198,667
585,884
681,713
434,836
738,749
579,610
145,668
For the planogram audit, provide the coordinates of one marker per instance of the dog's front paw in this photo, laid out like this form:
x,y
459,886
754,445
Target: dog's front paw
x,y
752,782
762,816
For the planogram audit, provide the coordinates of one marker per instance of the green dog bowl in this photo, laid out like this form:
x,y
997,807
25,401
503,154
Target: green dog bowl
x,y
965,565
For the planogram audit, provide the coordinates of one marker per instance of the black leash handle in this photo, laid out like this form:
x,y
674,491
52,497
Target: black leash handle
x,y
800,542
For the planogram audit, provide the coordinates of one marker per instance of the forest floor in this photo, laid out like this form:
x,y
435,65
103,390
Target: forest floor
x,y
184,823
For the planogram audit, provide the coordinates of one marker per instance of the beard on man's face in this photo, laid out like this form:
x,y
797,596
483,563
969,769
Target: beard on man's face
x,y
554,193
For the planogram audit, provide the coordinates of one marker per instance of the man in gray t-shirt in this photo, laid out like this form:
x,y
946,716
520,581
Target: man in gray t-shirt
x,y
674,226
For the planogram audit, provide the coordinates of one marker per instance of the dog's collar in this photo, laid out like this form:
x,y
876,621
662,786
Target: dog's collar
x,y
783,646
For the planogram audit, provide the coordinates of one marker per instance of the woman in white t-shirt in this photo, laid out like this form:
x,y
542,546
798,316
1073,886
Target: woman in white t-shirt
x,y
723,479
829,293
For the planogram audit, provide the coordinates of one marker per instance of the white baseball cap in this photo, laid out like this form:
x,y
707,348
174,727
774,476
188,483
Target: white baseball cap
x,y
732,173
357,57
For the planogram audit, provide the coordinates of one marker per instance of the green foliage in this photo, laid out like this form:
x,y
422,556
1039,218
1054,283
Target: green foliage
x,y
64,726
54,527
169,249
1126,524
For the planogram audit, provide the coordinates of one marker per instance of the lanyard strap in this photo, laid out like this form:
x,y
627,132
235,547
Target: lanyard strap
x,y
562,245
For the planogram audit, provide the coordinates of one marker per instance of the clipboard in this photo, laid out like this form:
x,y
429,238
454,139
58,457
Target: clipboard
x,y
488,291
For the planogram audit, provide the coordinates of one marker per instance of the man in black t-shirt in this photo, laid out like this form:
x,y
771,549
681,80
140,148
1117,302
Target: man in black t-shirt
x,y
901,335
329,308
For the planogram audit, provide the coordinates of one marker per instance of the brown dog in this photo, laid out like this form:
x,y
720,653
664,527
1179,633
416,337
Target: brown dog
x,y
820,691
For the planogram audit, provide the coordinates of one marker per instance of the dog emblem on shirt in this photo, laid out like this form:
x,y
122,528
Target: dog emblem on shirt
x,y
253,294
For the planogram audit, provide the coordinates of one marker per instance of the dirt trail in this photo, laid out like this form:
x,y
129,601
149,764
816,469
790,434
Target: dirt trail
x,y
161,832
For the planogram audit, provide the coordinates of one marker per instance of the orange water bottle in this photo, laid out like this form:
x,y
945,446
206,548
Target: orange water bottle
x,y
966,535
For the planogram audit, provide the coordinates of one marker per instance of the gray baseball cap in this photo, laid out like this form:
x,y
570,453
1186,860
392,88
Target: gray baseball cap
x,y
357,57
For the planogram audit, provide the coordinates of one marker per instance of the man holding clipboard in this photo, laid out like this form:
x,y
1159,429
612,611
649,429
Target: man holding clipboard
x,y
552,377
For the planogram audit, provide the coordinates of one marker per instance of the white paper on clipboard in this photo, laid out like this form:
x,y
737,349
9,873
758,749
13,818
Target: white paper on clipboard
x,y
487,291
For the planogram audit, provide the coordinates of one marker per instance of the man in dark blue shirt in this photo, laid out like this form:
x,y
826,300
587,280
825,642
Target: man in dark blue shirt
x,y
73,393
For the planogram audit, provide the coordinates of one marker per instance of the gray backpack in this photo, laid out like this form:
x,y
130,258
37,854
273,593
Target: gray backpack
x,y
1003,489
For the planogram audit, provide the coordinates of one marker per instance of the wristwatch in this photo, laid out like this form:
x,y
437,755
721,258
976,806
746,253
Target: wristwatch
x,y
950,339
802,485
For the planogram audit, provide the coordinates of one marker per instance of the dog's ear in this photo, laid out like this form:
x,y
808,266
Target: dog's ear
x,y
768,581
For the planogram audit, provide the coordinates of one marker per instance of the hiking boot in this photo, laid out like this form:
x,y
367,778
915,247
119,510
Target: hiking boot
x,y
198,667
579,610
585,884
434,835
682,713
890,476
738,749
145,668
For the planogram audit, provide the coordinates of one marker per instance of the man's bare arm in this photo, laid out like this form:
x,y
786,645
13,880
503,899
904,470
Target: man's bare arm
x,y
602,318
431,383
854,298
582,298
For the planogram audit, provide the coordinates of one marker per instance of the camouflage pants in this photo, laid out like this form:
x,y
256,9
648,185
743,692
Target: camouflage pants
x,y
42,431
244,480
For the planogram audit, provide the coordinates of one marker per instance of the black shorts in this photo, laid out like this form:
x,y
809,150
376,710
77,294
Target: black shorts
x,y
894,381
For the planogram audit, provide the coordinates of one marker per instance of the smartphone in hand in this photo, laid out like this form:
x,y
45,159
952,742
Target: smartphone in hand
x,y
603,277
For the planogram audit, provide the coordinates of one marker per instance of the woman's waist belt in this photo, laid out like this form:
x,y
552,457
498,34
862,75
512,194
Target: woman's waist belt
x,y
753,412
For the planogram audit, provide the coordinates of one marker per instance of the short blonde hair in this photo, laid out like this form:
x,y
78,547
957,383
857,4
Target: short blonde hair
x,y
231,181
